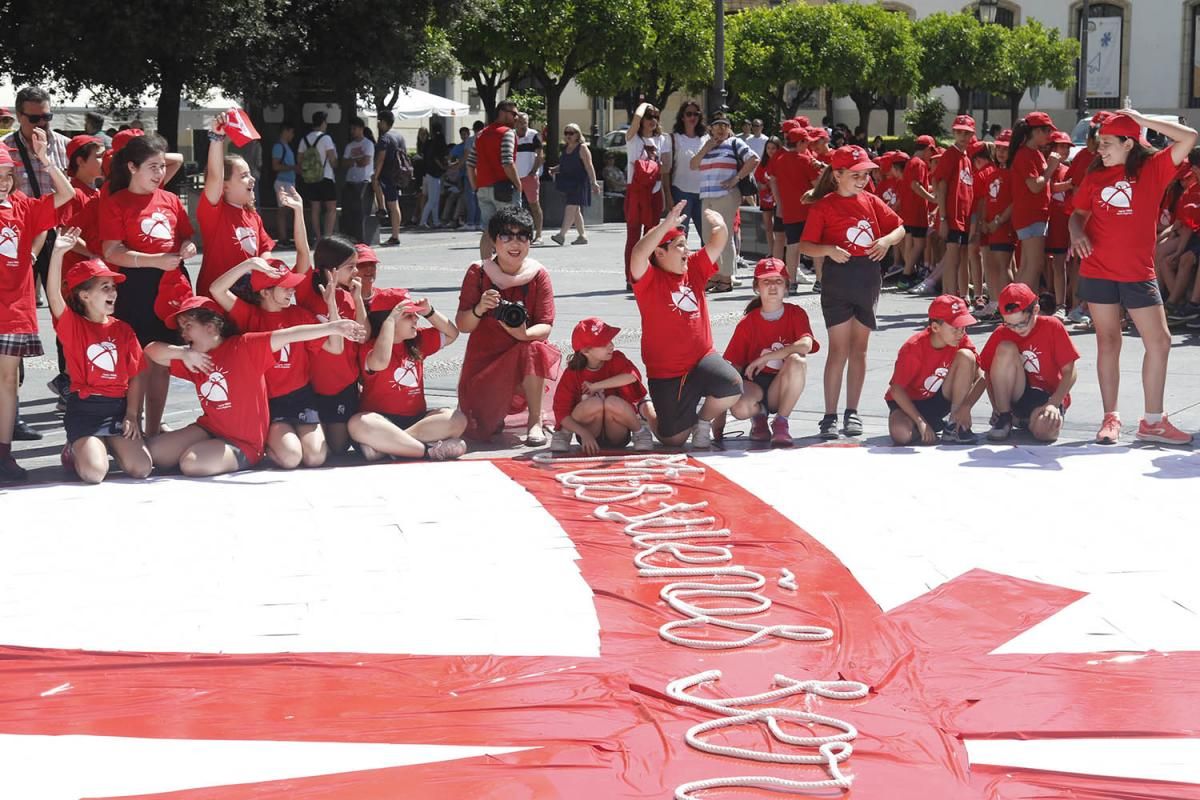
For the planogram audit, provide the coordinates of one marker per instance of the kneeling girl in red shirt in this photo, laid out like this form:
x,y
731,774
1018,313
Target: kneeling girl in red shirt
x,y
105,364
394,420
600,394
768,347
228,370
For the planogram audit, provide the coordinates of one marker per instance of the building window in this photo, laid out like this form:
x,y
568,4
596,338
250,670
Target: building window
x,y
1105,65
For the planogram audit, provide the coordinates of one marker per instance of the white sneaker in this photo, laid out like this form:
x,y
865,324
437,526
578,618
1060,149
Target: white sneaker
x,y
560,441
803,277
643,439
702,434
447,450
735,281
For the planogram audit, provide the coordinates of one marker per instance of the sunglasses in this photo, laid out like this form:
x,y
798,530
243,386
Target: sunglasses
x,y
568,133
36,118
507,236
651,116
691,113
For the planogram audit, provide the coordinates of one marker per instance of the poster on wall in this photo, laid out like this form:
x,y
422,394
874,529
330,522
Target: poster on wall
x,y
1196,55
1104,57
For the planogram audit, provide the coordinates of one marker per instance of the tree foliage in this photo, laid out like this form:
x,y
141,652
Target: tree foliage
x,y
481,43
1033,55
889,65
957,51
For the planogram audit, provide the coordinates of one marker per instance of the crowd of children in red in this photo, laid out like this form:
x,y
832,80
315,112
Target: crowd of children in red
x,y
291,363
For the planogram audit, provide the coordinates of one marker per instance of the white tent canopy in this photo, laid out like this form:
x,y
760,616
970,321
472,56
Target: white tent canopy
x,y
415,104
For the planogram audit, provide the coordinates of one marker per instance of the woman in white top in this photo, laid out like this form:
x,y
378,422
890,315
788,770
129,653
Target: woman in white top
x,y
689,136
644,205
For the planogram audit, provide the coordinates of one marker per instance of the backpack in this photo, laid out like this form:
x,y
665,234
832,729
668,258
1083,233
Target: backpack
x,y
312,163
647,170
397,168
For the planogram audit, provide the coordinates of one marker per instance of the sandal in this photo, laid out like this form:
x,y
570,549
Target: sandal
x,y
535,441
718,287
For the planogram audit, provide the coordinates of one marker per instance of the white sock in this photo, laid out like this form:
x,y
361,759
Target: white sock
x,y
1153,419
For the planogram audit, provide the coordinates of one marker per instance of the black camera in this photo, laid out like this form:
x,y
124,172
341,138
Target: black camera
x,y
514,315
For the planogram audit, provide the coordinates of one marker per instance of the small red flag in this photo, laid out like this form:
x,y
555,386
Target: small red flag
x,y
239,128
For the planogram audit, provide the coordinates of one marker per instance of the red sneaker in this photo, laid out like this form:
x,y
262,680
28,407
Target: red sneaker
x,y
759,431
780,435
1110,430
68,459
1162,432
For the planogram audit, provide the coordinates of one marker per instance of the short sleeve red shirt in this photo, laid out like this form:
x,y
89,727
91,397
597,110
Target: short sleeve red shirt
x,y
999,197
330,373
1029,207
954,167
230,234
399,389
1044,352
233,395
21,220
851,223
914,208
755,336
889,192
293,362
794,173
1079,166
82,213
570,386
101,358
1123,225
145,223
922,368
676,332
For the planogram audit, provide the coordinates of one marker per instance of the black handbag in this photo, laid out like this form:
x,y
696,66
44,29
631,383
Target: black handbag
x,y
746,186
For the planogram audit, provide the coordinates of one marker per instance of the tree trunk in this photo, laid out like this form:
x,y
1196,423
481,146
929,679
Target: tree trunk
x,y
1014,106
170,95
487,85
864,103
553,91
964,100
890,106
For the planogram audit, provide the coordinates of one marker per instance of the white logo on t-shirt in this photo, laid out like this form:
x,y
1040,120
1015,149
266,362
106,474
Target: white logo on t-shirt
x,y
994,189
1031,362
158,226
774,363
861,234
248,239
889,197
685,299
965,176
1119,195
284,355
405,374
8,242
933,384
215,388
103,356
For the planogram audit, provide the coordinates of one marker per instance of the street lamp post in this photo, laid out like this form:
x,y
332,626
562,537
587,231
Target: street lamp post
x,y
987,15
1084,16
717,96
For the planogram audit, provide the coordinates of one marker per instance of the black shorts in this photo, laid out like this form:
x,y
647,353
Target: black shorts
x,y
323,191
954,236
793,230
934,409
1030,401
1002,248
340,407
763,380
296,408
850,291
777,226
1056,251
677,400
94,416
917,231
1131,294
135,305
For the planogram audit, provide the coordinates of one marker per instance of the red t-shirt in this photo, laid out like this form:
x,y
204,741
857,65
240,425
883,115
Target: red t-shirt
x,y
954,167
795,173
755,336
851,223
913,207
999,197
101,359
293,362
922,368
233,396
21,220
979,181
1029,207
1122,227
231,234
82,213
765,199
330,372
1059,236
1189,215
1079,166
889,192
145,223
570,385
676,332
1044,352
399,389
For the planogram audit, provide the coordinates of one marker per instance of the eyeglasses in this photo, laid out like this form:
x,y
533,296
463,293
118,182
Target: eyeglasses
x,y
1026,316
651,116
569,133
507,236
36,118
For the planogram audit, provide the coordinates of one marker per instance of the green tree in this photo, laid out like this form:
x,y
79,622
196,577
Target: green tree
x,y
1033,55
889,65
778,55
957,51
673,52
481,41
926,116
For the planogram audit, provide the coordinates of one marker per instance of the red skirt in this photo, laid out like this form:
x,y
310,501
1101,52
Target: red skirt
x,y
489,387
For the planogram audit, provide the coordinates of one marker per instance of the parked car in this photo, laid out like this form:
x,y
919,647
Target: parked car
x,y
1080,131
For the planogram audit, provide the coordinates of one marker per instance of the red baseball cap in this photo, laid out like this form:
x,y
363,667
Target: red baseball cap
x,y
80,141
1039,119
84,271
195,303
388,299
365,254
1016,297
6,159
770,268
670,236
793,131
122,138
817,134
286,278
802,121
963,122
1005,137
925,140
898,155
951,310
977,148
6,112
173,289
592,332
1121,125
853,158
1060,137
1101,117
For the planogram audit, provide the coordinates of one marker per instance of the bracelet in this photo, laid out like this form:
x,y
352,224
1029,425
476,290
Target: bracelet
x,y
433,311
477,316
213,136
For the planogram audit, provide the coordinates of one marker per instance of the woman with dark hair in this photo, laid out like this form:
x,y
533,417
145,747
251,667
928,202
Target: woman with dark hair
x,y
766,199
509,357
1113,230
648,161
688,136
1032,174
433,156
145,233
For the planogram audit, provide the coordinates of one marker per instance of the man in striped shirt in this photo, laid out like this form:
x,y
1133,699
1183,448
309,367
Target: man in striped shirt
x,y
492,171
718,163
